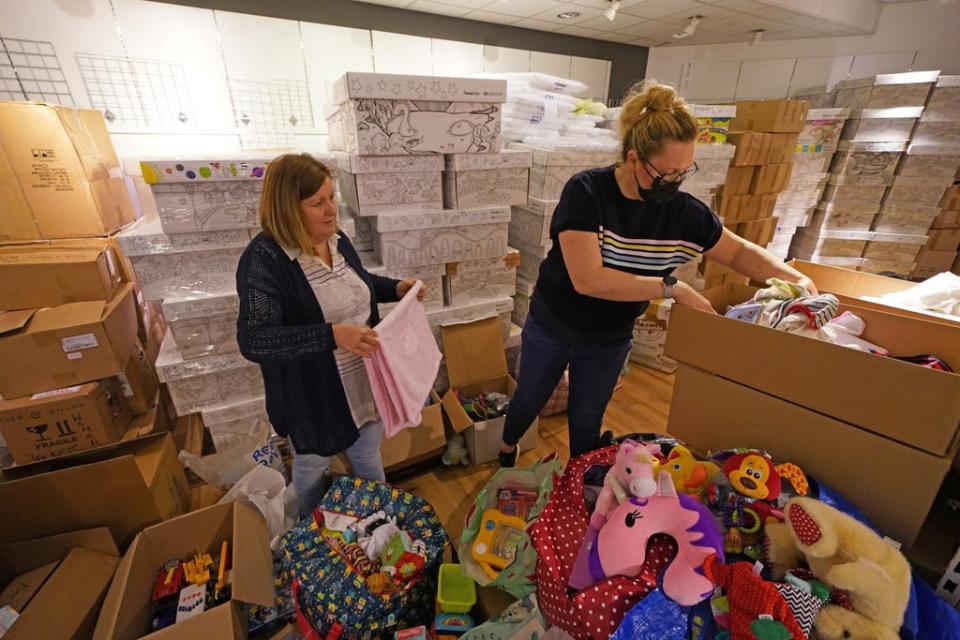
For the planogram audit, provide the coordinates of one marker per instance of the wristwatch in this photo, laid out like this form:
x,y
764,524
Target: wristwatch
x,y
669,282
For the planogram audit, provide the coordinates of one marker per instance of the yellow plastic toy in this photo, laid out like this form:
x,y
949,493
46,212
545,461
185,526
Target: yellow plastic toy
x,y
690,476
197,569
495,546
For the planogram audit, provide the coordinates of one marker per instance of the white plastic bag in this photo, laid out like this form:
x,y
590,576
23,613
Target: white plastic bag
x,y
226,467
265,490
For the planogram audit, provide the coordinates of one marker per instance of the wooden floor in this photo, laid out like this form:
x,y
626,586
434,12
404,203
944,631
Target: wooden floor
x,y
641,404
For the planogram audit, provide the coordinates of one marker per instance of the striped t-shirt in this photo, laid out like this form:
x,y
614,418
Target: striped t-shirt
x,y
638,237
344,299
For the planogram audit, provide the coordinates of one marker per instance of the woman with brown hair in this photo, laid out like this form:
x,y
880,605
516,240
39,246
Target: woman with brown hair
x,y
618,233
307,308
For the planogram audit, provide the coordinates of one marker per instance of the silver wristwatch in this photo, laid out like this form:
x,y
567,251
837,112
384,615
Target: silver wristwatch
x,y
669,282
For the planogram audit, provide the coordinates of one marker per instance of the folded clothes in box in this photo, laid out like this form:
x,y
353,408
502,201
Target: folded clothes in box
x,y
203,325
881,125
485,180
889,90
371,185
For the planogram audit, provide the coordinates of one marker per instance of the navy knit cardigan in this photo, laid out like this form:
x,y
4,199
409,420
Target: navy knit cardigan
x,y
281,328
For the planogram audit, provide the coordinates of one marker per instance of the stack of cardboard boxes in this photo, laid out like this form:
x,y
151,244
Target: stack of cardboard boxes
x,y
765,135
434,206
876,208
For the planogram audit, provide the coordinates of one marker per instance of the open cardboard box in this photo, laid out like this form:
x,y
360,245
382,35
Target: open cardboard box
x,y
56,584
476,363
917,406
852,286
124,486
51,277
127,610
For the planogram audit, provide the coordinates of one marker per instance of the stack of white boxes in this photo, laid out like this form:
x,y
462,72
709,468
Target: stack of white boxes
x,y
796,206
870,216
423,180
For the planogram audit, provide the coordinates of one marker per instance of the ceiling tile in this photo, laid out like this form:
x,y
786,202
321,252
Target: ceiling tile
x,y
390,3
646,29
660,8
802,21
831,27
623,38
586,13
522,8
490,16
436,7
469,4
601,23
741,6
574,30
741,22
539,25
773,13
705,10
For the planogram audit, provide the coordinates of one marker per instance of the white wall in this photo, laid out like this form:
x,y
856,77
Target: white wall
x,y
910,36
185,81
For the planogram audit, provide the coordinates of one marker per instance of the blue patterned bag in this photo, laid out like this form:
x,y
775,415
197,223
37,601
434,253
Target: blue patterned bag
x,y
332,595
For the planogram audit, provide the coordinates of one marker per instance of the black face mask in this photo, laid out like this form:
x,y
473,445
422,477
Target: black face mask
x,y
661,191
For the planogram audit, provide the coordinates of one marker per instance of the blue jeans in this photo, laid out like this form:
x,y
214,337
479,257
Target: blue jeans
x,y
365,462
594,371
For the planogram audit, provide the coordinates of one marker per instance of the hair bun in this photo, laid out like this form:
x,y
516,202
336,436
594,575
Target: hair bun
x,y
652,113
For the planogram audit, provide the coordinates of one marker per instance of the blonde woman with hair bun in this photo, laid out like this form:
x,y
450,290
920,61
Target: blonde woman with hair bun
x,y
618,233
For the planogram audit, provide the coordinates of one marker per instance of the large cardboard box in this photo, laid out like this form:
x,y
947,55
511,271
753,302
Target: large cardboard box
x,y
56,584
746,208
487,279
760,232
59,175
374,184
944,240
893,484
476,363
770,116
474,180
914,405
127,608
67,344
770,178
752,148
47,278
930,263
139,381
124,487
55,423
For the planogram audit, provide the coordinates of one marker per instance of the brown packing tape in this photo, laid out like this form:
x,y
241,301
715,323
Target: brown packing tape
x,y
512,260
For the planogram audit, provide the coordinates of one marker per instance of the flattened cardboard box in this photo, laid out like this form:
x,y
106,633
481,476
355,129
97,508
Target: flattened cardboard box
x,y
770,116
124,487
711,413
905,402
56,423
47,278
127,608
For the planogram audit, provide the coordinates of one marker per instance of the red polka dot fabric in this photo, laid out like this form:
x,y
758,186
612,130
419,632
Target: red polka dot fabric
x,y
596,612
807,530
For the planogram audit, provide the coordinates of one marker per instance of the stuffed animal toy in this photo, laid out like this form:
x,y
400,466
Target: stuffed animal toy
x,y
690,476
632,474
746,496
621,546
845,554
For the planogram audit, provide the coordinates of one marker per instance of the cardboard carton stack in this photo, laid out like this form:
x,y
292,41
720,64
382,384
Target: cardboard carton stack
x,y
765,135
796,206
872,216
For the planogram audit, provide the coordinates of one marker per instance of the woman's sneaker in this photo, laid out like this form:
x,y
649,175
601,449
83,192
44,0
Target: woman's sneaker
x,y
509,460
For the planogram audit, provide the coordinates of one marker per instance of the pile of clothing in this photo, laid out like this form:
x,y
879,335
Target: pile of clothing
x,y
940,294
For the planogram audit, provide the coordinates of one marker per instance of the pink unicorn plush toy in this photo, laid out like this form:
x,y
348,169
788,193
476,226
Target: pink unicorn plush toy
x,y
621,546
632,475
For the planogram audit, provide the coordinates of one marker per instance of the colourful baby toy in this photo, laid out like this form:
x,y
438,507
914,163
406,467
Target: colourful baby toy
x,y
621,546
746,497
690,476
632,474
495,546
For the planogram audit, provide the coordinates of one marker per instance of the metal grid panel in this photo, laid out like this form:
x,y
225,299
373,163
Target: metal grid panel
x,y
134,91
269,112
30,70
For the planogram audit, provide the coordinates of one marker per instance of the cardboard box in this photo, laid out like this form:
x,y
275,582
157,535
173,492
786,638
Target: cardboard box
x,y
770,116
714,121
821,131
770,178
127,608
372,185
847,192
836,216
711,413
650,337
930,161
947,220
553,168
473,180
204,325
899,217
207,206
930,263
47,278
529,227
752,148
139,382
944,102
867,158
734,209
167,170
738,181
384,86
918,191
933,133
811,163
490,278
55,423
759,232
66,345
228,422
124,487
881,125
926,400
951,199
60,175
61,584
944,240
782,148
475,361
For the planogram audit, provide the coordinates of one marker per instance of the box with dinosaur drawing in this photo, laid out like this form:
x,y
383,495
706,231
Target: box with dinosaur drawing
x,y
379,114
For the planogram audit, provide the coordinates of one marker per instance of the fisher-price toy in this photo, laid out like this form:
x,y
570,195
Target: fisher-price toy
x,y
746,496
631,474
690,476
495,546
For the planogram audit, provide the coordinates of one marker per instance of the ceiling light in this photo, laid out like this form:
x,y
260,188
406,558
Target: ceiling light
x,y
566,15
689,29
611,11
757,36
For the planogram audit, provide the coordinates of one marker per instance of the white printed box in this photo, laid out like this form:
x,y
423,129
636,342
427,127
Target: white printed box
x,y
372,185
899,217
702,153
811,244
529,227
794,217
472,181
432,277
552,169
930,161
362,228
867,158
471,311
165,170
887,268
230,422
203,325
886,91
918,191
882,125
183,264
439,237
530,258
185,207
831,217
822,130
521,301
944,102
818,97
894,247
813,163
848,193
490,278
201,383
937,132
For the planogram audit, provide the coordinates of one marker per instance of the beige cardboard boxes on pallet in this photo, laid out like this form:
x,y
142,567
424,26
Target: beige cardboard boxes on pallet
x,y
886,91
206,195
378,114
377,184
474,181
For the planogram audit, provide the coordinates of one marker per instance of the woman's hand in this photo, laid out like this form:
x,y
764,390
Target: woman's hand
x,y
358,340
405,285
807,284
689,297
